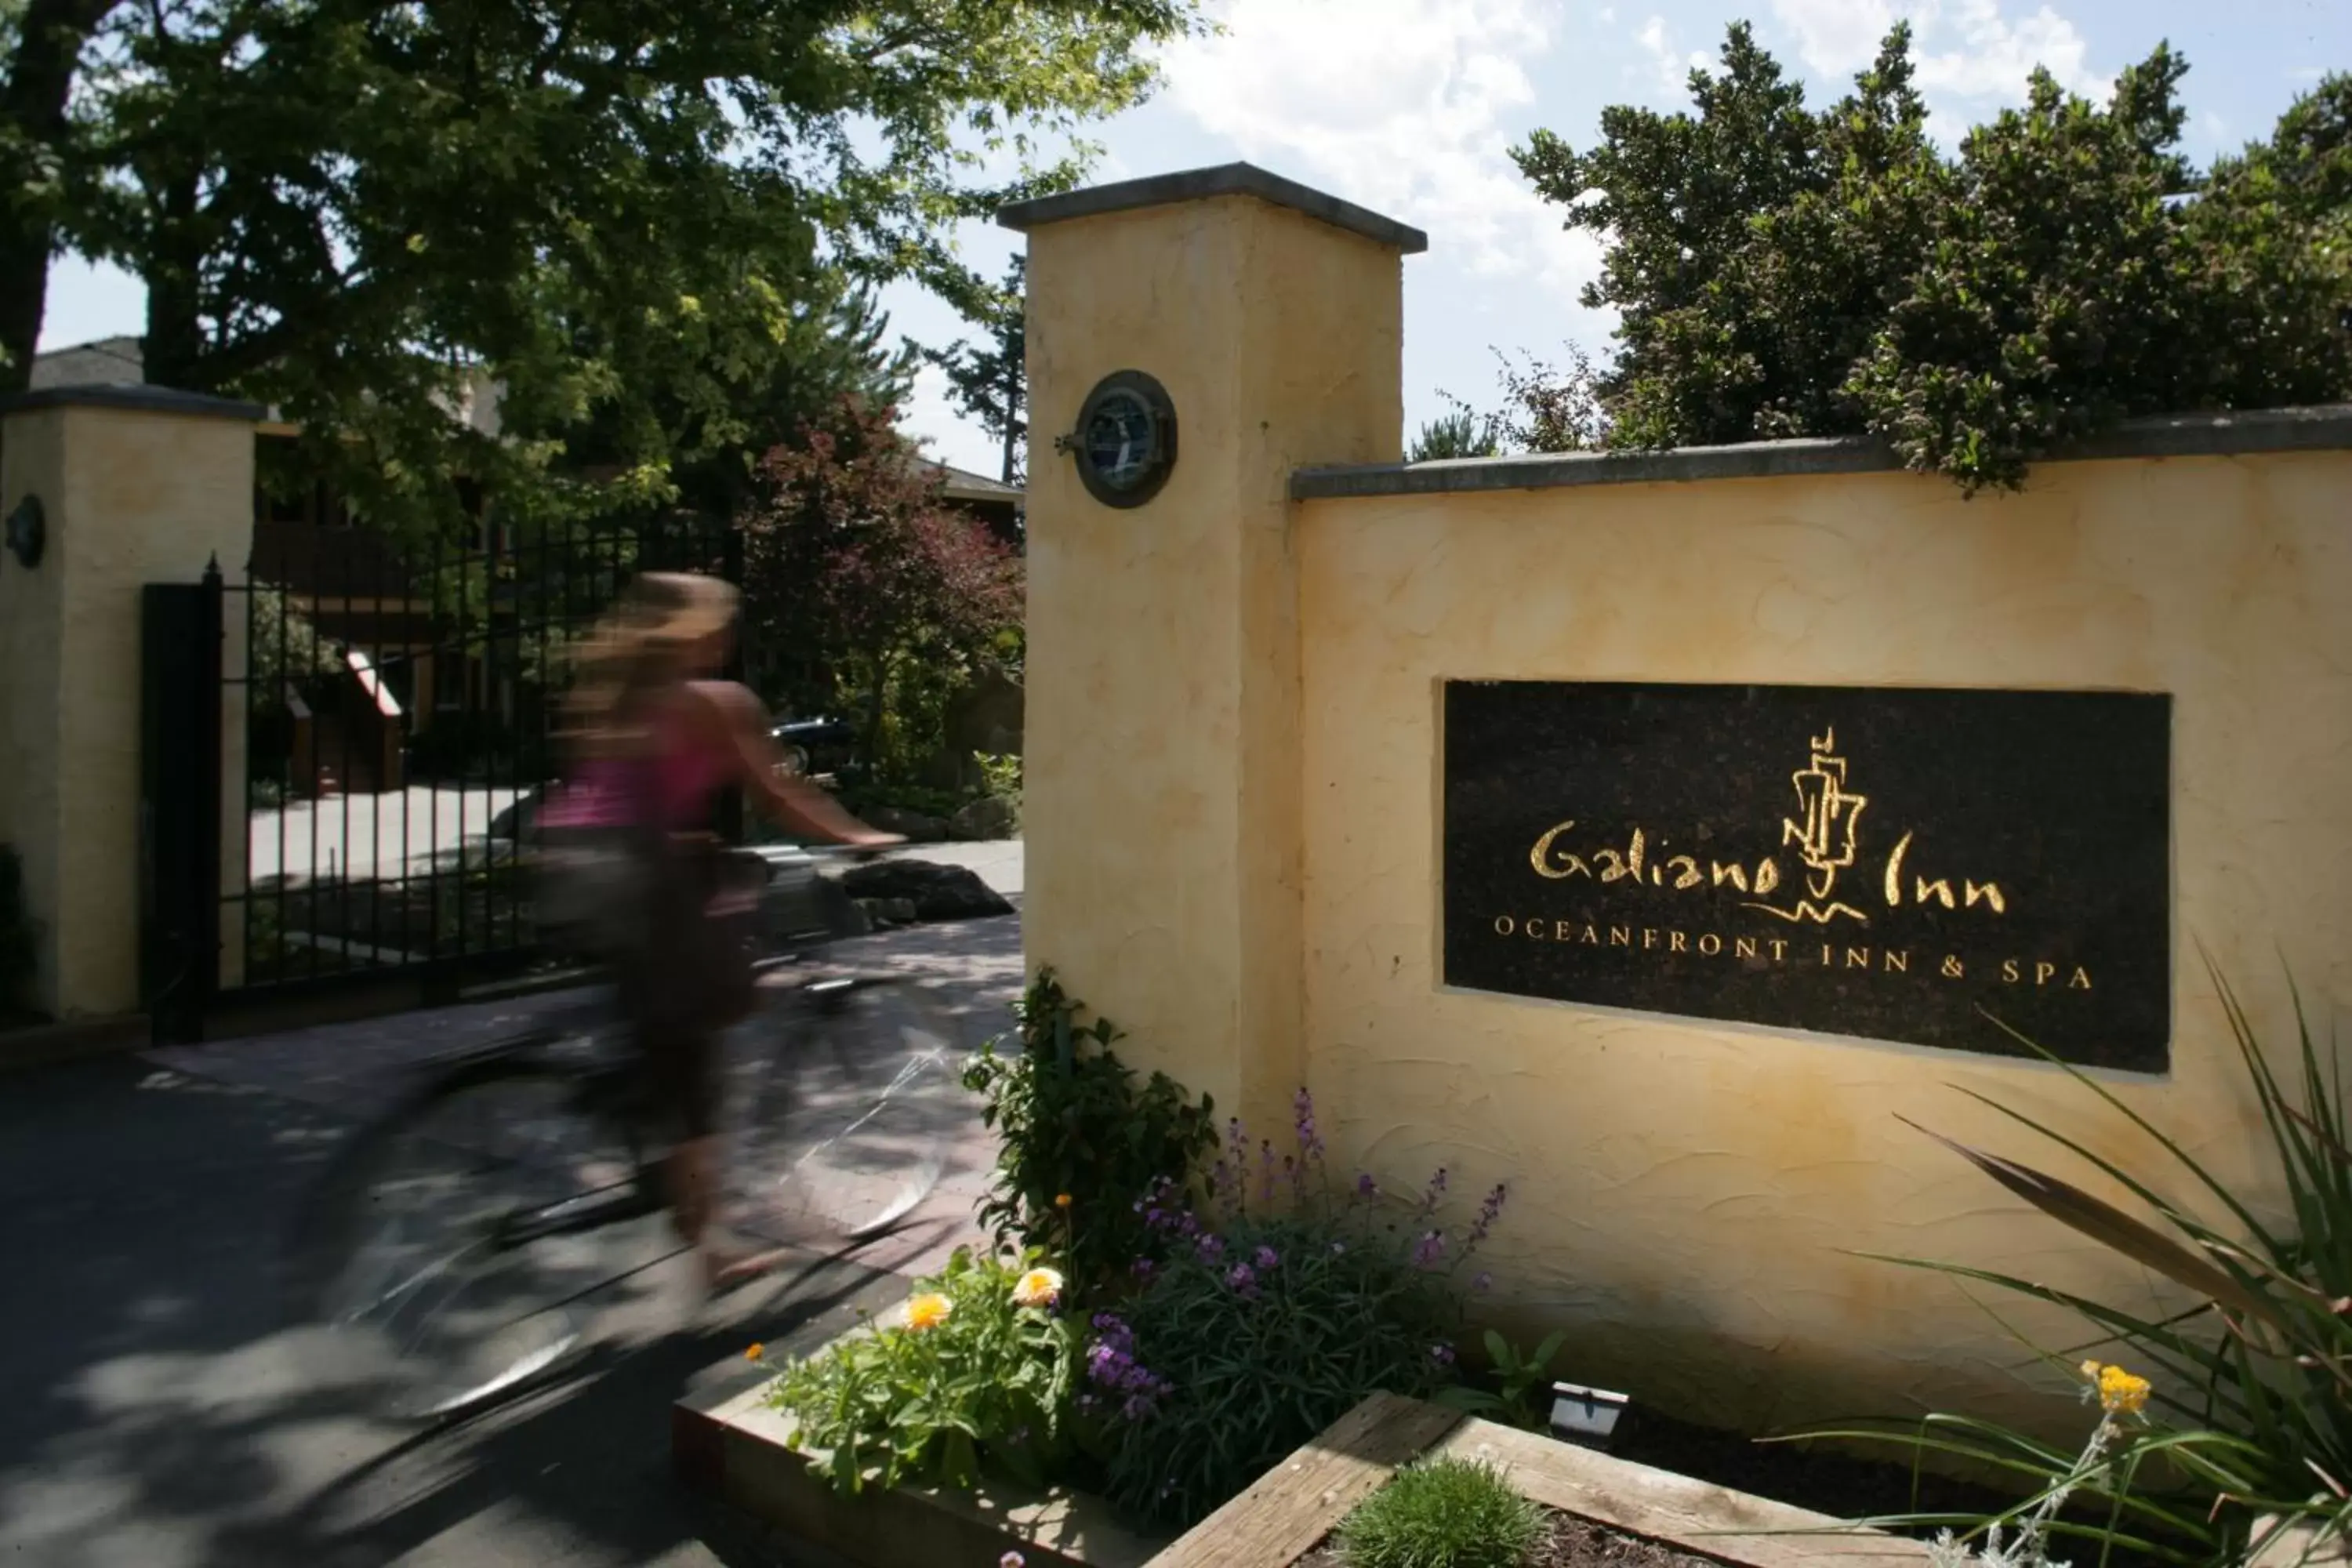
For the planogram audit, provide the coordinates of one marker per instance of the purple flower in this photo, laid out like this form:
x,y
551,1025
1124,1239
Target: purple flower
x,y
1241,1279
1483,1283
1488,1212
1142,1269
1442,1354
1366,1188
1429,1249
1209,1248
1266,1258
1429,1199
1112,1369
1266,1171
1310,1142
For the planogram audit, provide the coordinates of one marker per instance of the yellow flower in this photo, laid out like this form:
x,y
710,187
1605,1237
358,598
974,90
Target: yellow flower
x,y
755,1353
927,1311
1062,1201
1038,1288
2120,1393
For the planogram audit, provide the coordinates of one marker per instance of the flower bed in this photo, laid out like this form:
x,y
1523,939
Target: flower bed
x,y
1170,1308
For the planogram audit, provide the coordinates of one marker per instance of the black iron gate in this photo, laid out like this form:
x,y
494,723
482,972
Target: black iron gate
x,y
344,751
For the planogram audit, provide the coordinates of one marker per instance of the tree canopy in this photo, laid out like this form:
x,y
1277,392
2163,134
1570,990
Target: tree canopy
x,y
990,380
1779,270
647,223
859,578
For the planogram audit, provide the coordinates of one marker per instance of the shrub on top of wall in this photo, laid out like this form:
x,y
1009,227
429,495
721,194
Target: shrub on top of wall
x,y
16,931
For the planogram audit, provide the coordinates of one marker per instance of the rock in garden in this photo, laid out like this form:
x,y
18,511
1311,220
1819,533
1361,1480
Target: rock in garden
x,y
989,817
936,892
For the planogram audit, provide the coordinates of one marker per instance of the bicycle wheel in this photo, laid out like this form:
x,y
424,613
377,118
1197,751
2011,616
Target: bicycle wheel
x,y
853,1109
449,1257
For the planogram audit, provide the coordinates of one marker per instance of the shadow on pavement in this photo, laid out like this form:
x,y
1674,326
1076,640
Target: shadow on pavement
x,y
154,1410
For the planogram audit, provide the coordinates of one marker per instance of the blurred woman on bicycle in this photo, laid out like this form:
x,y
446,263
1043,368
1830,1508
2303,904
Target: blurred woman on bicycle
x,y
652,739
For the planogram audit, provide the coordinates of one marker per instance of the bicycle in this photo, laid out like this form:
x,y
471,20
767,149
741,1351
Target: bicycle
x,y
453,1250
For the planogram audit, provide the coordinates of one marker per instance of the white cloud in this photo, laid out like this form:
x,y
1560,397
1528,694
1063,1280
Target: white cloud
x,y
1399,105
1835,37
1674,65
946,434
1968,51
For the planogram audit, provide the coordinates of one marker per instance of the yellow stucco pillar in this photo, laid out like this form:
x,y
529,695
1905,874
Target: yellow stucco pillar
x,y
1161,786
136,485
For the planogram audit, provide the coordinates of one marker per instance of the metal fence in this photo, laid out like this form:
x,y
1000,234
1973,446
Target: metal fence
x,y
344,751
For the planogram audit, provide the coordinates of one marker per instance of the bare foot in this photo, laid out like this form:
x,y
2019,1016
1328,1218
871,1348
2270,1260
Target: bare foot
x,y
727,1271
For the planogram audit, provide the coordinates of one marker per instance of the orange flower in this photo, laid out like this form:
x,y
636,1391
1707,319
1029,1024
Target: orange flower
x,y
927,1311
755,1353
1038,1288
1062,1202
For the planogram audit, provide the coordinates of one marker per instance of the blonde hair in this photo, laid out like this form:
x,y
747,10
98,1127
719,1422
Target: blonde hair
x,y
637,649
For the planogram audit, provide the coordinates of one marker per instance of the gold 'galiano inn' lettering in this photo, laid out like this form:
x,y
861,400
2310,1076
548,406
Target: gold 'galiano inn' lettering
x,y
1827,839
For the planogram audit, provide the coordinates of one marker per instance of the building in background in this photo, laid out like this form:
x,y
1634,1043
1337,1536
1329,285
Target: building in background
x,y
378,685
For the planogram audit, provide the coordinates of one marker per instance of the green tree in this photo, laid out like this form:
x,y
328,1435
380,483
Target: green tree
x,y
1463,433
1545,408
1778,271
41,44
989,382
868,590
632,219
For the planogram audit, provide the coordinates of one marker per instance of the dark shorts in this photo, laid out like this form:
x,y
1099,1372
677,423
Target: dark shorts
x,y
685,972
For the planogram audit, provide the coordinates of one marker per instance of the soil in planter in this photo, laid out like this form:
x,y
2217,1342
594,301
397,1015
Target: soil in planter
x,y
1840,1481
1570,1543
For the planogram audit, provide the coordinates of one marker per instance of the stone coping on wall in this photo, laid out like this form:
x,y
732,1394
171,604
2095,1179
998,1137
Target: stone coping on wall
x,y
2329,427
1202,184
139,399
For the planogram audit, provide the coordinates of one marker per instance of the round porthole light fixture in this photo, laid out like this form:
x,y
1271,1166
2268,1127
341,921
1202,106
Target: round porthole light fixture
x,y
1126,440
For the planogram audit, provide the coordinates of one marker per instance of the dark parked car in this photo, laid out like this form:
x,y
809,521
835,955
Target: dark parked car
x,y
814,746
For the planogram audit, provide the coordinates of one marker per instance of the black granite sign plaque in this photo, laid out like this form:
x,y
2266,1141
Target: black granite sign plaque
x,y
1894,864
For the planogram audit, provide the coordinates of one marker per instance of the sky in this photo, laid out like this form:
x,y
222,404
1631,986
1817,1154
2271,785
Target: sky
x,y
1410,108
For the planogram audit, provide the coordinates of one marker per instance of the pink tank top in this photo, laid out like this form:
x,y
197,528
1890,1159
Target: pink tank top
x,y
672,788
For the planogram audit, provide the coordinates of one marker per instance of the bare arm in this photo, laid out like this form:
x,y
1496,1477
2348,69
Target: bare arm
x,y
740,724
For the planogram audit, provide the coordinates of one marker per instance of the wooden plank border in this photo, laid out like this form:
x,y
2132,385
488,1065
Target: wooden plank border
x,y
1303,1500
728,1443
1296,1504
1693,1515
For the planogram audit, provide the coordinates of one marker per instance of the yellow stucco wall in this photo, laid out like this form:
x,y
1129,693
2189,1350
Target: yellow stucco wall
x,y
133,496
32,460
1162,742
1685,1193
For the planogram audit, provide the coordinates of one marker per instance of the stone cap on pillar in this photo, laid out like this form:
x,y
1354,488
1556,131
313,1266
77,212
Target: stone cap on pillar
x,y
1202,184
136,398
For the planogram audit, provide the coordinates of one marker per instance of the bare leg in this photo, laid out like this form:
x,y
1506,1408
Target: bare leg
x,y
694,1169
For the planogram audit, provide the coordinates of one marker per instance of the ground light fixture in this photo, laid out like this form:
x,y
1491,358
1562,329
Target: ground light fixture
x,y
1587,1416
